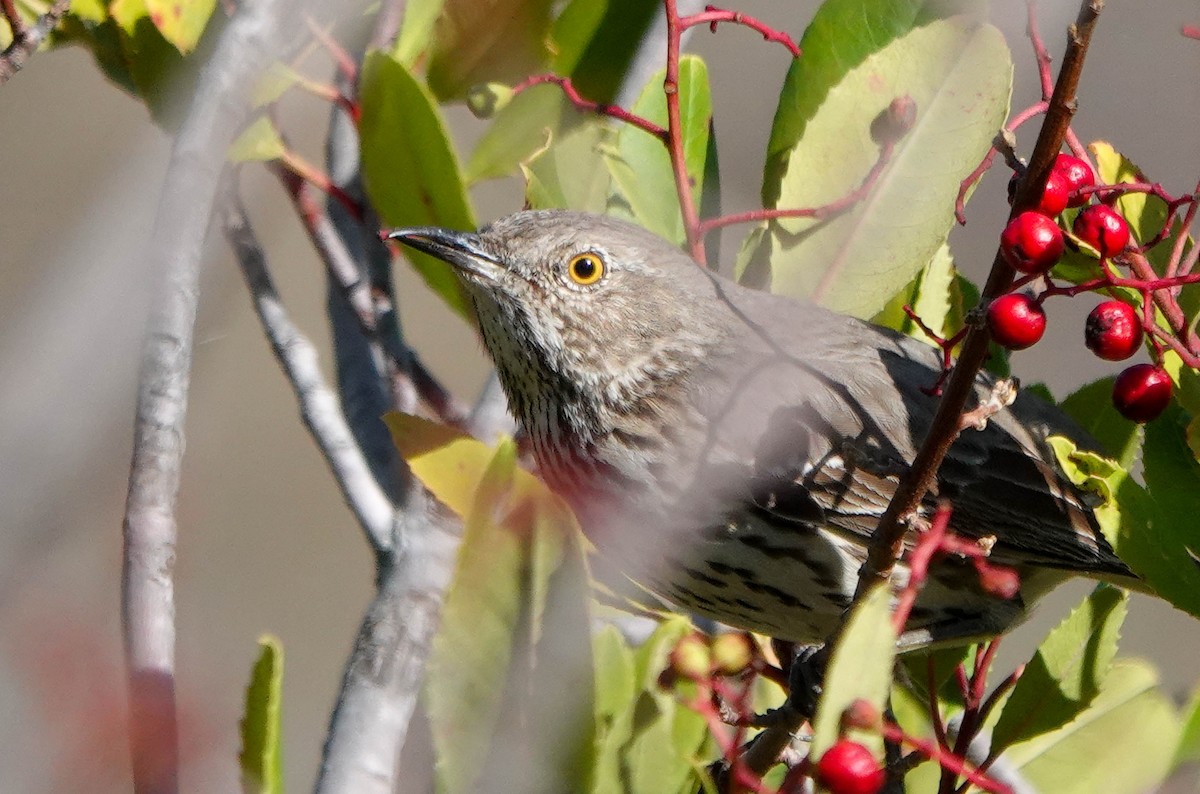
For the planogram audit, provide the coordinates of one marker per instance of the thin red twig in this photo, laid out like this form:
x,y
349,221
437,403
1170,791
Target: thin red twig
x,y
319,179
819,213
345,62
1025,115
674,140
948,761
711,15
588,106
1039,49
1191,31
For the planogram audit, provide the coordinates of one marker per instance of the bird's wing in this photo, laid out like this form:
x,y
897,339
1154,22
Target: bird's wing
x,y
839,444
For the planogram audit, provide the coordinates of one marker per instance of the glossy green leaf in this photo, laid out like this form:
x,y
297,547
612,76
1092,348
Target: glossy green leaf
x,y
1068,670
570,172
640,165
90,10
416,30
181,22
261,756
572,31
260,142
497,41
1146,529
409,165
601,71
933,295
514,644
841,35
152,62
1092,407
859,668
959,76
1122,744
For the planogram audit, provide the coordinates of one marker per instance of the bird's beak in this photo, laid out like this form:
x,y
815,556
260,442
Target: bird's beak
x,y
463,250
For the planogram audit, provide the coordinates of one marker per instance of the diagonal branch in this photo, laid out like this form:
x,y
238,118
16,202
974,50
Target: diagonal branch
x,y
318,404
25,40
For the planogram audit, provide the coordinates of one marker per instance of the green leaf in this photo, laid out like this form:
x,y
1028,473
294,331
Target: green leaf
x,y
641,167
841,35
416,31
497,41
572,31
664,736
518,130
260,142
409,166
261,757
601,71
570,173
1092,407
1122,744
181,22
513,646
1146,529
959,77
859,668
933,296
1188,748
1068,670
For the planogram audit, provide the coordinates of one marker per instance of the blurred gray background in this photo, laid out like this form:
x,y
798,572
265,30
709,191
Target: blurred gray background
x,y
265,542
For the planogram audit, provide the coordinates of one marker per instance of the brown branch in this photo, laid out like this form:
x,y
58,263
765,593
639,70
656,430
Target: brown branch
x,y
25,40
887,542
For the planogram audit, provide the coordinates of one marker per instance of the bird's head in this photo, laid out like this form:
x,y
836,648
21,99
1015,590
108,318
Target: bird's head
x,y
578,303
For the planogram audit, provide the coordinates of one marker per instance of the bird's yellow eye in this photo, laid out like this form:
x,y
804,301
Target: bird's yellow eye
x,y
586,269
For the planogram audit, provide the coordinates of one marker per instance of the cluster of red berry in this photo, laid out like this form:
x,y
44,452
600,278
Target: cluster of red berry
x,y
1033,243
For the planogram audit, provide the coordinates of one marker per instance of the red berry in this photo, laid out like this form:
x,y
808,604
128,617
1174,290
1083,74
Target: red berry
x,y
1103,228
1055,195
1113,331
1031,243
1141,392
1016,321
849,768
1077,174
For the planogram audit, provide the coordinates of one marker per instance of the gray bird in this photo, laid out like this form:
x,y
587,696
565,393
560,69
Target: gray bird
x,y
732,450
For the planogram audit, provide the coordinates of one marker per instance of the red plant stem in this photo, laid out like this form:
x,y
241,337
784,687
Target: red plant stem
x,y
711,15
818,213
928,544
588,106
683,184
1181,239
319,179
15,23
345,63
1191,31
948,761
1025,115
935,714
331,94
1039,49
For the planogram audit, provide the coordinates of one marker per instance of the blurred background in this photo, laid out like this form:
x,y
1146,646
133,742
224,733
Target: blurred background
x,y
266,544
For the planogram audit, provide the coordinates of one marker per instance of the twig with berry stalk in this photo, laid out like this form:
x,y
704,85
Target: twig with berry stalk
x,y
887,543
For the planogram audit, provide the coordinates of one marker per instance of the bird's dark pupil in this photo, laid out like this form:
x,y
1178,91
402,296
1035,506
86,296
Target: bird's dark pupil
x,y
585,267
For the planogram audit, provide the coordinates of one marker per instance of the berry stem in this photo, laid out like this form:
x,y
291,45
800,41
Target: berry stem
x,y
674,140
985,165
948,761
